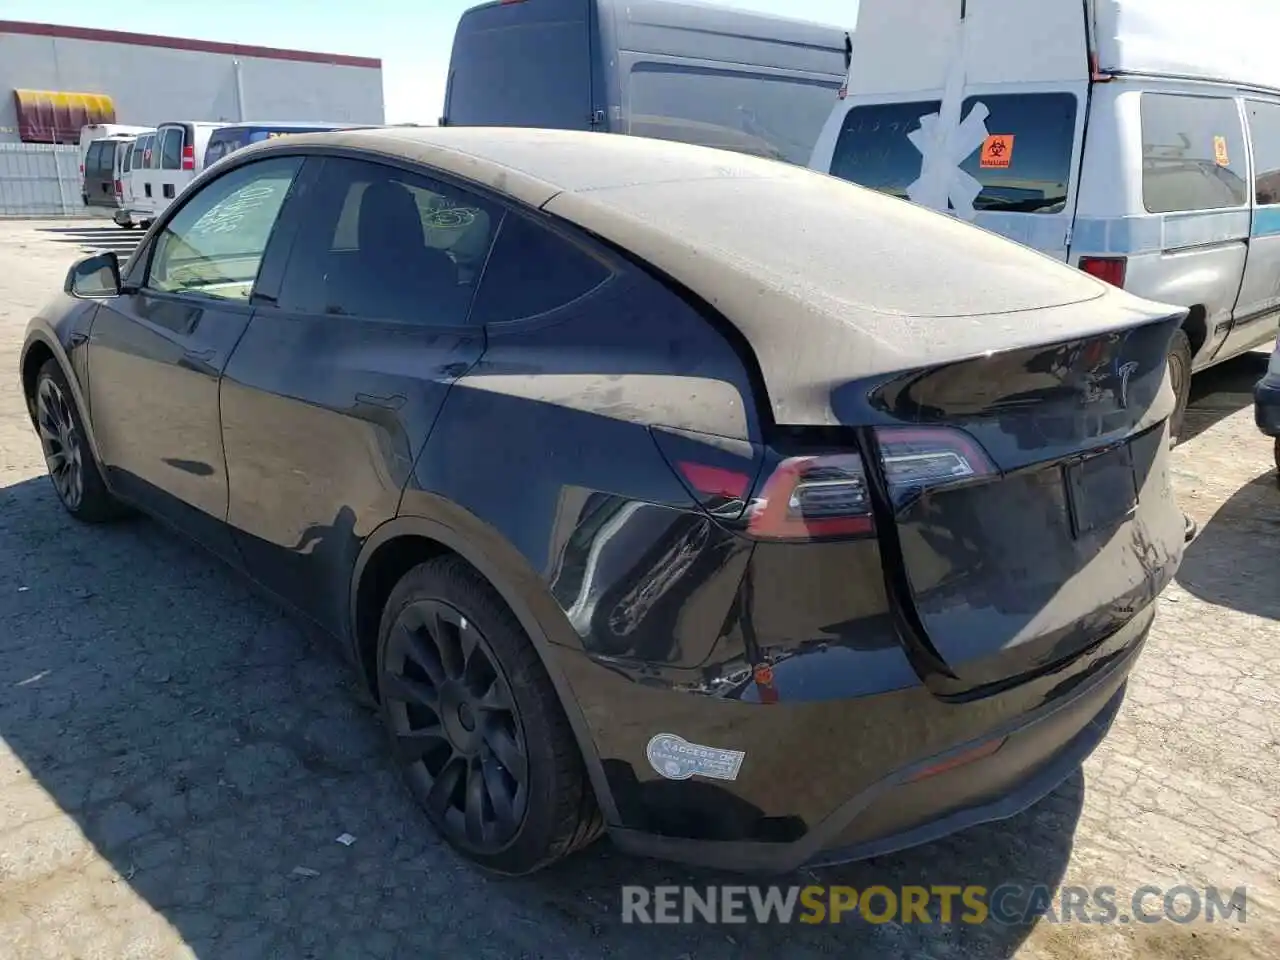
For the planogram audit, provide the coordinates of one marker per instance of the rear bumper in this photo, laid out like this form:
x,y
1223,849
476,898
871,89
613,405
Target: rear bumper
x,y
1038,750
1266,405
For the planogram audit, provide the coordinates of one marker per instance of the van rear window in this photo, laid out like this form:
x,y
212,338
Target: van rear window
x,y
1030,174
1192,153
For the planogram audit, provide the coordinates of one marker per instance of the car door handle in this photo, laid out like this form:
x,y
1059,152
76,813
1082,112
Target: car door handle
x,y
200,356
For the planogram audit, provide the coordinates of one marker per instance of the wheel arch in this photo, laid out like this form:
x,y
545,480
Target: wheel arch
x,y
1196,327
407,540
39,348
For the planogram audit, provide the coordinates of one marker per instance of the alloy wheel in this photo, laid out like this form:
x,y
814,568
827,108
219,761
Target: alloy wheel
x,y
455,725
61,443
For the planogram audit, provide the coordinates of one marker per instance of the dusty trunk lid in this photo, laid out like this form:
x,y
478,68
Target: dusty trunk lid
x,y
1073,529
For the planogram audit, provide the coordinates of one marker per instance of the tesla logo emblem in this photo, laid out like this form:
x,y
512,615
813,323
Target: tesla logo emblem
x,y
1125,372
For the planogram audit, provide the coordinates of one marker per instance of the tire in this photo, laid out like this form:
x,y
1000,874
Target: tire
x,y
481,738
1277,456
1180,375
72,467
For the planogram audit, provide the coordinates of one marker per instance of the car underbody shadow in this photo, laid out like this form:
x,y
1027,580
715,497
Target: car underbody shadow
x,y
174,745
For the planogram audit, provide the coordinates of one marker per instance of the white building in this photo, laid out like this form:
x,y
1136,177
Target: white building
x,y
55,79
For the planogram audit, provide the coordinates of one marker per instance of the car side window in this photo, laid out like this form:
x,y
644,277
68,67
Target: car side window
x,y
382,243
532,271
213,246
171,149
1192,153
1264,126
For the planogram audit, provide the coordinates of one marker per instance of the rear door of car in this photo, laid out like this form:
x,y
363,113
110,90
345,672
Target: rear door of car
x,y
523,64
337,381
172,174
140,177
978,110
99,166
1258,307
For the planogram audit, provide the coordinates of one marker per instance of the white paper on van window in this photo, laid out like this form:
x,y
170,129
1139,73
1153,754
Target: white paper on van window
x,y
944,140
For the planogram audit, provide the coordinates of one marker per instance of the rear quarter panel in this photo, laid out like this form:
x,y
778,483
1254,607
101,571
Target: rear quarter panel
x,y
546,444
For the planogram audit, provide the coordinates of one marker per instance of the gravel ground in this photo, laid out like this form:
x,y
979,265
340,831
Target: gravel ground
x,y
172,748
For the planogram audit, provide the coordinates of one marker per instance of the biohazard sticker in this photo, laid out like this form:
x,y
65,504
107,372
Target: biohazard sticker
x,y
997,151
1220,151
678,759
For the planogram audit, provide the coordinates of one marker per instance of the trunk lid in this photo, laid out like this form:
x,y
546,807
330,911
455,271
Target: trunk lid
x,y
1072,531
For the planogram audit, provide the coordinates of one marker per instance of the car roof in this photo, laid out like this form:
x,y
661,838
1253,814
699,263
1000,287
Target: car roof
x,y
873,283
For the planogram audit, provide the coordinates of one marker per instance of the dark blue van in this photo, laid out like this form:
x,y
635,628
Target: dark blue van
x,y
675,70
233,136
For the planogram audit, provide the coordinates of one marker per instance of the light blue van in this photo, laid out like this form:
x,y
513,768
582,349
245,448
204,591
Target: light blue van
x,y
692,72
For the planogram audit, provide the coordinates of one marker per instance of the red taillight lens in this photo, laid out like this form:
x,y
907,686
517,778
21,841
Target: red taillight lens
x,y
1110,269
119,189
188,158
812,498
825,496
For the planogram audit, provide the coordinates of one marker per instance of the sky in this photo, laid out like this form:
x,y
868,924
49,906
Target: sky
x,y
413,37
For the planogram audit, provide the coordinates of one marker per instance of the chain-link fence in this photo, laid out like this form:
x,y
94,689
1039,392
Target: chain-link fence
x,y
40,180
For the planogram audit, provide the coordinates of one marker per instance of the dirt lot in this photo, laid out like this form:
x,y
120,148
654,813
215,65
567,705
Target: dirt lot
x,y
171,749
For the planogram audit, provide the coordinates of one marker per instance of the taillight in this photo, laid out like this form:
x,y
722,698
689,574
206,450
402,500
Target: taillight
x,y
188,158
1110,269
822,496
917,458
813,498
119,189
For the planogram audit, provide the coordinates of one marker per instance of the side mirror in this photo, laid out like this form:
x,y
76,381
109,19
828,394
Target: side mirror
x,y
94,277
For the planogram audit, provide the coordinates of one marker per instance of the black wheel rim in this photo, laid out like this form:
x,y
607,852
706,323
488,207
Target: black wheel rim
x,y
61,443
455,726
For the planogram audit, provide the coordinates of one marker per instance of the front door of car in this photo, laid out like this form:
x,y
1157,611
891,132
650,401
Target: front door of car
x,y
339,378
157,351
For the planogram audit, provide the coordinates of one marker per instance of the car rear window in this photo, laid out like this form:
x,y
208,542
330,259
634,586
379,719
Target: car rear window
x,y
222,144
1024,165
1192,153
127,163
171,148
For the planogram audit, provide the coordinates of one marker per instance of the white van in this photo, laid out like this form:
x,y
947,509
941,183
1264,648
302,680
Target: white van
x,y
176,157
97,131
1136,139
104,162
133,157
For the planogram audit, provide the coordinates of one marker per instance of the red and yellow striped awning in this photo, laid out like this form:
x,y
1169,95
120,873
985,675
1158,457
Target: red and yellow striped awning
x,y
50,116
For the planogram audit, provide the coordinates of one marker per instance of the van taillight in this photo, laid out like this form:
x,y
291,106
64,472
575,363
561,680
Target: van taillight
x,y
825,496
1110,269
188,158
119,189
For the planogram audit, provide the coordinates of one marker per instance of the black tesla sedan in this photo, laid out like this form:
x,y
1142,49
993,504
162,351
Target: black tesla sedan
x,y
753,517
